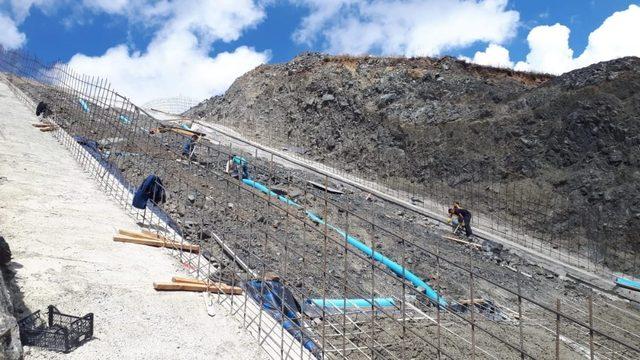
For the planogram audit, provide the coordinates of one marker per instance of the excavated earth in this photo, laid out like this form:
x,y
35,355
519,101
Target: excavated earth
x,y
270,236
444,126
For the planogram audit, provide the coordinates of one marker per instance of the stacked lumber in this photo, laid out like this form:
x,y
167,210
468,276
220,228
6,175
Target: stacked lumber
x,y
187,284
150,239
477,301
45,126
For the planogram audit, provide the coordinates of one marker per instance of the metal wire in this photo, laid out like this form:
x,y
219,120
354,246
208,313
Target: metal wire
x,y
247,233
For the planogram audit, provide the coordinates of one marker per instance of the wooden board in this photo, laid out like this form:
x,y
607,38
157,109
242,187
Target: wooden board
x,y
177,279
156,243
469,301
136,234
453,238
179,130
321,186
219,288
153,235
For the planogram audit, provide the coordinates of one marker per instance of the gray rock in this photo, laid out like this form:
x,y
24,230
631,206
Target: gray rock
x,y
327,98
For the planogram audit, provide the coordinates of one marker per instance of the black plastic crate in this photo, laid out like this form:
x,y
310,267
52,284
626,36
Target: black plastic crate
x,y
58,331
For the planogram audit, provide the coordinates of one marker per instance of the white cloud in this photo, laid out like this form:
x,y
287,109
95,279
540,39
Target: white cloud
x,y
108,6
616,37
21,8
494,55
550,50
169,68
405,27
10,36
177,60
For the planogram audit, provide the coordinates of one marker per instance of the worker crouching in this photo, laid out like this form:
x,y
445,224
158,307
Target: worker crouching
x,y
237,167
460,217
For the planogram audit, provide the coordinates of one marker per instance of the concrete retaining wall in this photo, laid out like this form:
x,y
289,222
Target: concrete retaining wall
x,y
10,346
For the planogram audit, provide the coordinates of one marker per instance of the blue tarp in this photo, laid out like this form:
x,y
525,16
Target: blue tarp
x,y
280,303
91,147
150,189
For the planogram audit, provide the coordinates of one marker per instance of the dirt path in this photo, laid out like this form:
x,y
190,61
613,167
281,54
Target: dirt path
x,y
60,225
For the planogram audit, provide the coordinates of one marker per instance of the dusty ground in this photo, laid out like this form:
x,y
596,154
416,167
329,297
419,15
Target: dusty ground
x,y
59,225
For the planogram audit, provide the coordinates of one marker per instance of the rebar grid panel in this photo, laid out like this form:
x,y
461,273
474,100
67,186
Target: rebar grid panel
x,y
515,211
263,234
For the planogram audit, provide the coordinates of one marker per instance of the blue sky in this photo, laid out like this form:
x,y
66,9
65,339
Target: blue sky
x,y
161,38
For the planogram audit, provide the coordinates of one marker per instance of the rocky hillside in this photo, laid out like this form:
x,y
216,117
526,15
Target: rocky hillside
x,y
431,121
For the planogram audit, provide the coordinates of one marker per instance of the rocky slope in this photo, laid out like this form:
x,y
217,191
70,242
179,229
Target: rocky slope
x,y
426,121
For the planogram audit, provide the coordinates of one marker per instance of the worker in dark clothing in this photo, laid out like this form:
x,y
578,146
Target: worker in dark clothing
x,y
150,189
237,167
43,109
465,216
189,147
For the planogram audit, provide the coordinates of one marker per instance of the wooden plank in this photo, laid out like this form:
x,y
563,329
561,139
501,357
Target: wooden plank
x,y
182,280
219,288
153,235
180,130
469,301
136,234
156,243
47,129
461,241
177,279
139,241
321,186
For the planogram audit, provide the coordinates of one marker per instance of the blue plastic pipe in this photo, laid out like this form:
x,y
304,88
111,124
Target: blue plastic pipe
x,y
635,285
266,190
353,303
390,264
396,268
84,105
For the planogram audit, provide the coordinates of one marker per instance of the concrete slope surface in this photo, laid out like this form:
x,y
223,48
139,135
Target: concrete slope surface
x,y
60,228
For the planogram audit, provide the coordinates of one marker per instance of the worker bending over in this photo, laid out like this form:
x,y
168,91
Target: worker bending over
x,y
237,167
463,216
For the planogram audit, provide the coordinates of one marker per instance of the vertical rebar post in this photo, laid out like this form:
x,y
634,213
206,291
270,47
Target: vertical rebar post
x,y
558,328
590,306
